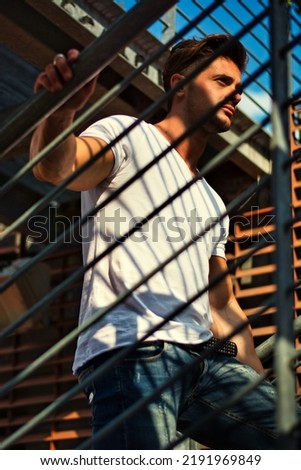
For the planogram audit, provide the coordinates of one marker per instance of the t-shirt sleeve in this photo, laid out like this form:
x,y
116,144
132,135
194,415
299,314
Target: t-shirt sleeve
x,y
219,248
109,130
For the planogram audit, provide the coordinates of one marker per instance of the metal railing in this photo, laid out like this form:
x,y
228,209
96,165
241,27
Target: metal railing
x,y
93,59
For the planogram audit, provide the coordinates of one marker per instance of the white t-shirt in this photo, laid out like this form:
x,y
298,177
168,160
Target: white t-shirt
x,y
159,239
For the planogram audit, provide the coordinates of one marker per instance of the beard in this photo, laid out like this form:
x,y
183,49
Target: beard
x,y
217,124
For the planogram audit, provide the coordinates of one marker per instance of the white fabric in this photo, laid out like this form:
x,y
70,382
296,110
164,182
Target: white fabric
x,y
159,238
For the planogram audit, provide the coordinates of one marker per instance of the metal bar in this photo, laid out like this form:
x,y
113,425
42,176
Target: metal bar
x,y
266,348
92,60
199,423
284,345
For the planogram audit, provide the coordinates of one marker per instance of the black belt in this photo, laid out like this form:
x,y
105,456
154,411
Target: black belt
x,y
217,345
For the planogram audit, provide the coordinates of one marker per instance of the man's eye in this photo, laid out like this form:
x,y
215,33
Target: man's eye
x,y
223,80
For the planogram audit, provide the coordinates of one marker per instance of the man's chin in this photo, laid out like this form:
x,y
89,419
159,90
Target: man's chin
x,y
224,129
218,128
218,124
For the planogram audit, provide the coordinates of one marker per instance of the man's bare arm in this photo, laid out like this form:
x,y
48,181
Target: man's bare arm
x,y
74,151
227,315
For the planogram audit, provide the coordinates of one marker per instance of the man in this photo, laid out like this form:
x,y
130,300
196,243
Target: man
x,y
250,423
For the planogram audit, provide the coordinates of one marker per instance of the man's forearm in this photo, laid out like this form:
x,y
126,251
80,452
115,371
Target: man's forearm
x,y
225,321
59,163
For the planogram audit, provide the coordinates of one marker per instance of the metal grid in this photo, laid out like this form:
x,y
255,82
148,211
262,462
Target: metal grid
x,y
277,66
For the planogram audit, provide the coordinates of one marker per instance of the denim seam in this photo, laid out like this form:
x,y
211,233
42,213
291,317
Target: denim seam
x,y
238,419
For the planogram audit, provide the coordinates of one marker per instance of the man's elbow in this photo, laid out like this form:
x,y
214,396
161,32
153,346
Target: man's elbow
x,y
47,176
36,170
37,173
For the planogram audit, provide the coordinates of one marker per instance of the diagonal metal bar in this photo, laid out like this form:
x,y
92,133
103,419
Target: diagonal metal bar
x,y
199,423
266,348
92,60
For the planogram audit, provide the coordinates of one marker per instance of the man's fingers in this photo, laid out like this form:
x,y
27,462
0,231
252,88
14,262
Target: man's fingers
x,y
72,55
58,58
54,75
58,72
61,65
42,82
55,80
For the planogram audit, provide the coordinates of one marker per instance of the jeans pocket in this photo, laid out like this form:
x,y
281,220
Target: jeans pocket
x,y
146,352
89,387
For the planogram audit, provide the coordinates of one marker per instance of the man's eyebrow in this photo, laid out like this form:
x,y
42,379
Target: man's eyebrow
x,y
224,75
229,78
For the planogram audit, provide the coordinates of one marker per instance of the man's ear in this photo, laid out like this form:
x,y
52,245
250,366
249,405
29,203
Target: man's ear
x,y
175,80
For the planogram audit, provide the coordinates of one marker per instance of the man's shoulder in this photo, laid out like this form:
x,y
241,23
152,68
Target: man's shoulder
x,y
118,118
110,125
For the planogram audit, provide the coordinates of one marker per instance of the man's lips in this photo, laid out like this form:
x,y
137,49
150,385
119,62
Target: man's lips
x,y
229,110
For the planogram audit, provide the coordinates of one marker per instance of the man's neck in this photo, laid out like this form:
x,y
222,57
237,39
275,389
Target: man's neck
x,y
191,148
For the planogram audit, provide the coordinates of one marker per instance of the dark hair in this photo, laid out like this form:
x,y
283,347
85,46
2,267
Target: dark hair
x,y
190,53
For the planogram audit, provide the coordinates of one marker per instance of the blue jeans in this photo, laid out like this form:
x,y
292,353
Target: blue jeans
x,y
193,398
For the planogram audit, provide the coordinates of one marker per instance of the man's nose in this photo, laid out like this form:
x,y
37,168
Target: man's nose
x,y
236,98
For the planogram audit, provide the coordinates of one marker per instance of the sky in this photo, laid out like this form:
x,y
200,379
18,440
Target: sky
x,y
231,17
